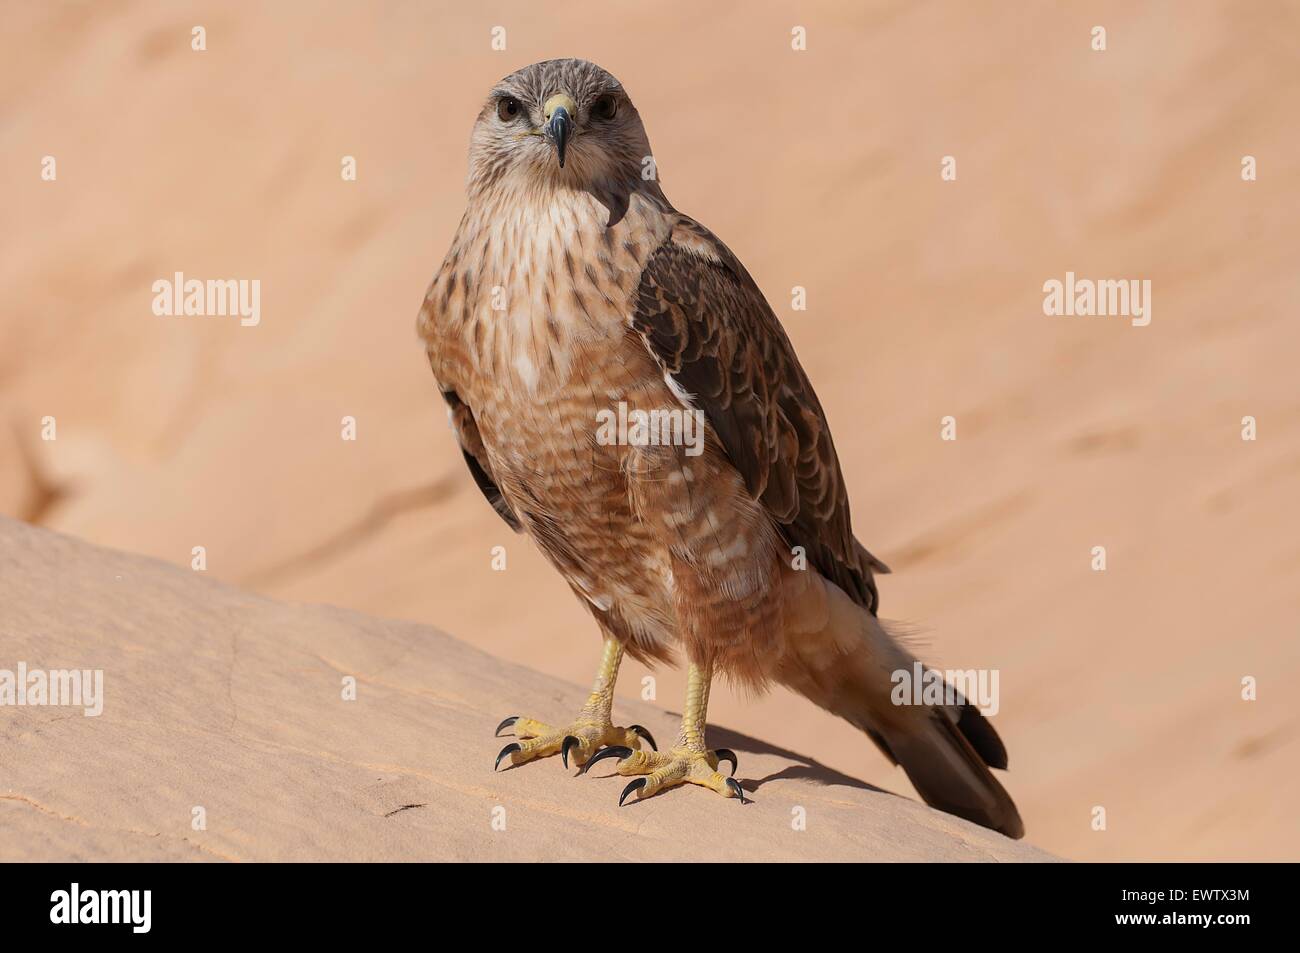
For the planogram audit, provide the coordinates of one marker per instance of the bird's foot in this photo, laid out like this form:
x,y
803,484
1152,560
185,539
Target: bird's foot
x,y
680,765
579,740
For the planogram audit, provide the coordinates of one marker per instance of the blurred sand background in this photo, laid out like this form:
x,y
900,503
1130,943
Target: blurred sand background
x,y
819,168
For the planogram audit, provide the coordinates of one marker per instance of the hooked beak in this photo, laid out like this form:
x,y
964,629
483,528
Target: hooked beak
x,y
559,112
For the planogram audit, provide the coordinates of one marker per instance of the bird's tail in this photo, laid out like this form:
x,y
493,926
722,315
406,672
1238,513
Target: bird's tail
x,y
848,668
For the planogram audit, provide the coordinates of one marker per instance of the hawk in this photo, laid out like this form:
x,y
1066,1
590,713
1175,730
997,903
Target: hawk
x,y
572,287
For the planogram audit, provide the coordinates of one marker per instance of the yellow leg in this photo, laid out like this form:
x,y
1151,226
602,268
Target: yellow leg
x,y
689,761
592,728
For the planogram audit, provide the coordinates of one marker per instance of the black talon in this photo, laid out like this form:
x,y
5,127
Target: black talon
x,y
507,750
726,754
641,731
635,785
734,785
569,742
505,724
616,751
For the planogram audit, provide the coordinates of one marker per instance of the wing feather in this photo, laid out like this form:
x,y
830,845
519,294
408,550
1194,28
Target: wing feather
x,y
707,324
465,428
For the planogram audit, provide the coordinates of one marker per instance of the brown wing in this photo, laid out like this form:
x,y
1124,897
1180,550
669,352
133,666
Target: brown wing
x,y
708,325
465,428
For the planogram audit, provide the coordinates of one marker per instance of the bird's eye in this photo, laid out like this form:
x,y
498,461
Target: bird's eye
x,y
508,108
604,108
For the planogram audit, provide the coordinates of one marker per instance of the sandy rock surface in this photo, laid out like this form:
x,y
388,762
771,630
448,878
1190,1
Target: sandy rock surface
x,y
221,700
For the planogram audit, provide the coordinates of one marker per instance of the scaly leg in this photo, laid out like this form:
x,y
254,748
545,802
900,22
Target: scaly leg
x,y
689,761
592,728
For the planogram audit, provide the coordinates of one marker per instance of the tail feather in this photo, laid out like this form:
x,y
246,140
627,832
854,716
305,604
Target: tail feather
x,y
846,667
976,729
949,772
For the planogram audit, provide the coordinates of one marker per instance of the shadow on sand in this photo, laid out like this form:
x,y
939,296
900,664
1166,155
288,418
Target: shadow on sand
x,y
804,769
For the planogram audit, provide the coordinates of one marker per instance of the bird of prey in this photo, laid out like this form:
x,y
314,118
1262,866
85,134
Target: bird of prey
x,y
572,287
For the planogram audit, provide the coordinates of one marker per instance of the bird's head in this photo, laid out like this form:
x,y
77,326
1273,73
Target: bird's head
x,y
562,121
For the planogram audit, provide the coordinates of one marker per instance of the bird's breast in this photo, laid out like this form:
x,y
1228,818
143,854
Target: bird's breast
x,y
556,285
